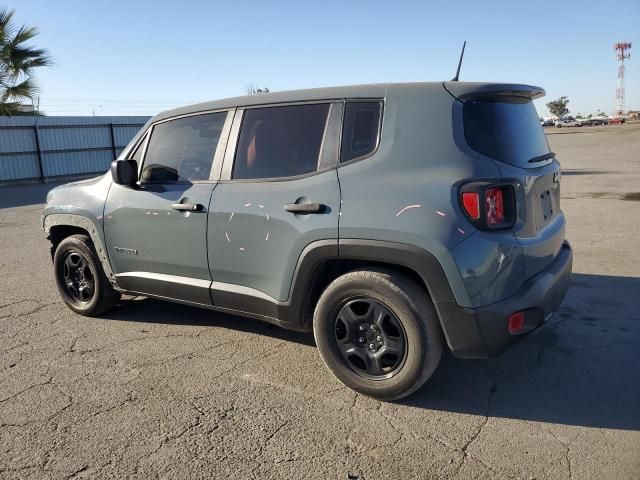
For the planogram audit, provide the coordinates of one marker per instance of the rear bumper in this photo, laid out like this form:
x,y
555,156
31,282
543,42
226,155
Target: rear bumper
x,y
483,332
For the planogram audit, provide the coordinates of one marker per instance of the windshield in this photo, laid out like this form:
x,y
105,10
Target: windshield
x,y
505,128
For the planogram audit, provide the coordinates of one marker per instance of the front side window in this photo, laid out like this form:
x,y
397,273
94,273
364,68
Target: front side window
x,y
183,149
137,155
360,130
280,141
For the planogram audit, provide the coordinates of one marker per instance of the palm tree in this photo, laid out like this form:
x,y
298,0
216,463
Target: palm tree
x,y
17,62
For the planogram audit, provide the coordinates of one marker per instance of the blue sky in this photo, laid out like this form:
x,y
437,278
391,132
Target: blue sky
x,y
125,57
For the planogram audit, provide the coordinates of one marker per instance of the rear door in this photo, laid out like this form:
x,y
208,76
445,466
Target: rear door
x,y
156,233
506,128
278,193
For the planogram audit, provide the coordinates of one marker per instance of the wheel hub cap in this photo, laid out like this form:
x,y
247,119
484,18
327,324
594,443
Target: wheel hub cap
x,y
370,338
77,277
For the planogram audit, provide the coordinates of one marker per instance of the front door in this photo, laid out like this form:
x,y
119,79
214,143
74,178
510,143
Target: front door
x,y
277,194
156,233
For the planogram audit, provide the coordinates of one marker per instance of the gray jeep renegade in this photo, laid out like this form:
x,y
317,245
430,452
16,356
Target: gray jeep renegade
x,y
389,219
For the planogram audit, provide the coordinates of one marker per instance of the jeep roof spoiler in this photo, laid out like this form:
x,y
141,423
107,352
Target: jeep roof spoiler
x,y
465,90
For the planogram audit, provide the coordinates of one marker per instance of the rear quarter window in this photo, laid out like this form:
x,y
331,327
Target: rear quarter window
x,y
360,129
506,129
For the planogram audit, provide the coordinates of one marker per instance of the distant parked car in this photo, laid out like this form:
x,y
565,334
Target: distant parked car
x,y
568,122
617,120
596,121
549,122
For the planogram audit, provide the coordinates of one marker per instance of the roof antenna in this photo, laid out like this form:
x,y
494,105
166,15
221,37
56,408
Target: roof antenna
x,y
455,79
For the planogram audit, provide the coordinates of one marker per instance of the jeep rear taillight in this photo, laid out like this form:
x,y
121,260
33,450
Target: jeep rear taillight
x,y
471,204
489,205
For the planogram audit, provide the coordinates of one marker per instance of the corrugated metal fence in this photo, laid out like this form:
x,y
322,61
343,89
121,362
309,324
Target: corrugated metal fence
x,y
49,148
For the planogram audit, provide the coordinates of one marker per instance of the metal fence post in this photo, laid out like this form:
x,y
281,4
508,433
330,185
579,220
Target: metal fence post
x,y
113,141
36,132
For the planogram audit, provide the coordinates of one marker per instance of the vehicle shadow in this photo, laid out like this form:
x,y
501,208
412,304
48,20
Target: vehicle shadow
x,y
149,310
582,368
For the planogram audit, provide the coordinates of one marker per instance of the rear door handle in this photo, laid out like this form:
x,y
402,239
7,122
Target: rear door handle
x,y
188,207
304,208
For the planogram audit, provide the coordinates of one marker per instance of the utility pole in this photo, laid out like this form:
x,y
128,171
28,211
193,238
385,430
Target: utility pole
x,y
621,56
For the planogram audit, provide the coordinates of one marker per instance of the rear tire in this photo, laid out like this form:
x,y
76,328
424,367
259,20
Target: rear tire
x,y
81,281
399,354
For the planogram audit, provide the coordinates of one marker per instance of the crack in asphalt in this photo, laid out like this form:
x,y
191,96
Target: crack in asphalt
x,y
170,438
567,453
77,472
464,450
26,390
39,306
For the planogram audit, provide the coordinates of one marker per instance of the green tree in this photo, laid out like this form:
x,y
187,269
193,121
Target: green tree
x,y
559,107
18,60
252,89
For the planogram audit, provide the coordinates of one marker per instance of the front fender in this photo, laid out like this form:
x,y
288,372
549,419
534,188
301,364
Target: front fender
x,y
81,205
95,232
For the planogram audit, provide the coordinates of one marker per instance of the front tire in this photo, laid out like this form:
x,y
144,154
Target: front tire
x,y
81,281
378,333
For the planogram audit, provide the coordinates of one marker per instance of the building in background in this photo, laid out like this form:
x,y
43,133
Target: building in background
x,y
45,149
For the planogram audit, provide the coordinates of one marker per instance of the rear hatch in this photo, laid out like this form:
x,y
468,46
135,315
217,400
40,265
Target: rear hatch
x,y
501,123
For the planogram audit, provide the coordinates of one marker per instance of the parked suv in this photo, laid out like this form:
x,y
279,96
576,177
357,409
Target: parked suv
x,y
568,122
391,220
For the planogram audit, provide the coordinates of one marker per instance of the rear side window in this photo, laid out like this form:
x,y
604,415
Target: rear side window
x,y
280,141
360,129
505,128
183,149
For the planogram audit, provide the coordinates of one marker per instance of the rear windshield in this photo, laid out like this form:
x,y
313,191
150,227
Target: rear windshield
x,y
505,128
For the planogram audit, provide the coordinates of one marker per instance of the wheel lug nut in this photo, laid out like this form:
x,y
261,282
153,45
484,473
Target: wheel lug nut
x,y
373,327
372,346
379,338
361,340
363,327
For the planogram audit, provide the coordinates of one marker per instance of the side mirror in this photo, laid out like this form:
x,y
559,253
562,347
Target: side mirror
x,y
124,172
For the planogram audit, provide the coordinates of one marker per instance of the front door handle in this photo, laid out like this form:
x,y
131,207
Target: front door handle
x,y
304,208
188,207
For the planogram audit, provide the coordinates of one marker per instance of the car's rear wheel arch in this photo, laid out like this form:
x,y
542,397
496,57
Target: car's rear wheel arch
x,y
316,271
331,269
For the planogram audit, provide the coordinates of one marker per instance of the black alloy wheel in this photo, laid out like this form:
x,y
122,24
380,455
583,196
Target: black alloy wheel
x,y
378,332
370,338
79,280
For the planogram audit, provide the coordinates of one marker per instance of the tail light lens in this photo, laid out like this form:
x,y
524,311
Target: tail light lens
x,y
516,323
471,204
489,205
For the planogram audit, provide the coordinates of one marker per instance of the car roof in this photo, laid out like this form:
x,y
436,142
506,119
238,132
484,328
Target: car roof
x,y
375,90
378,90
